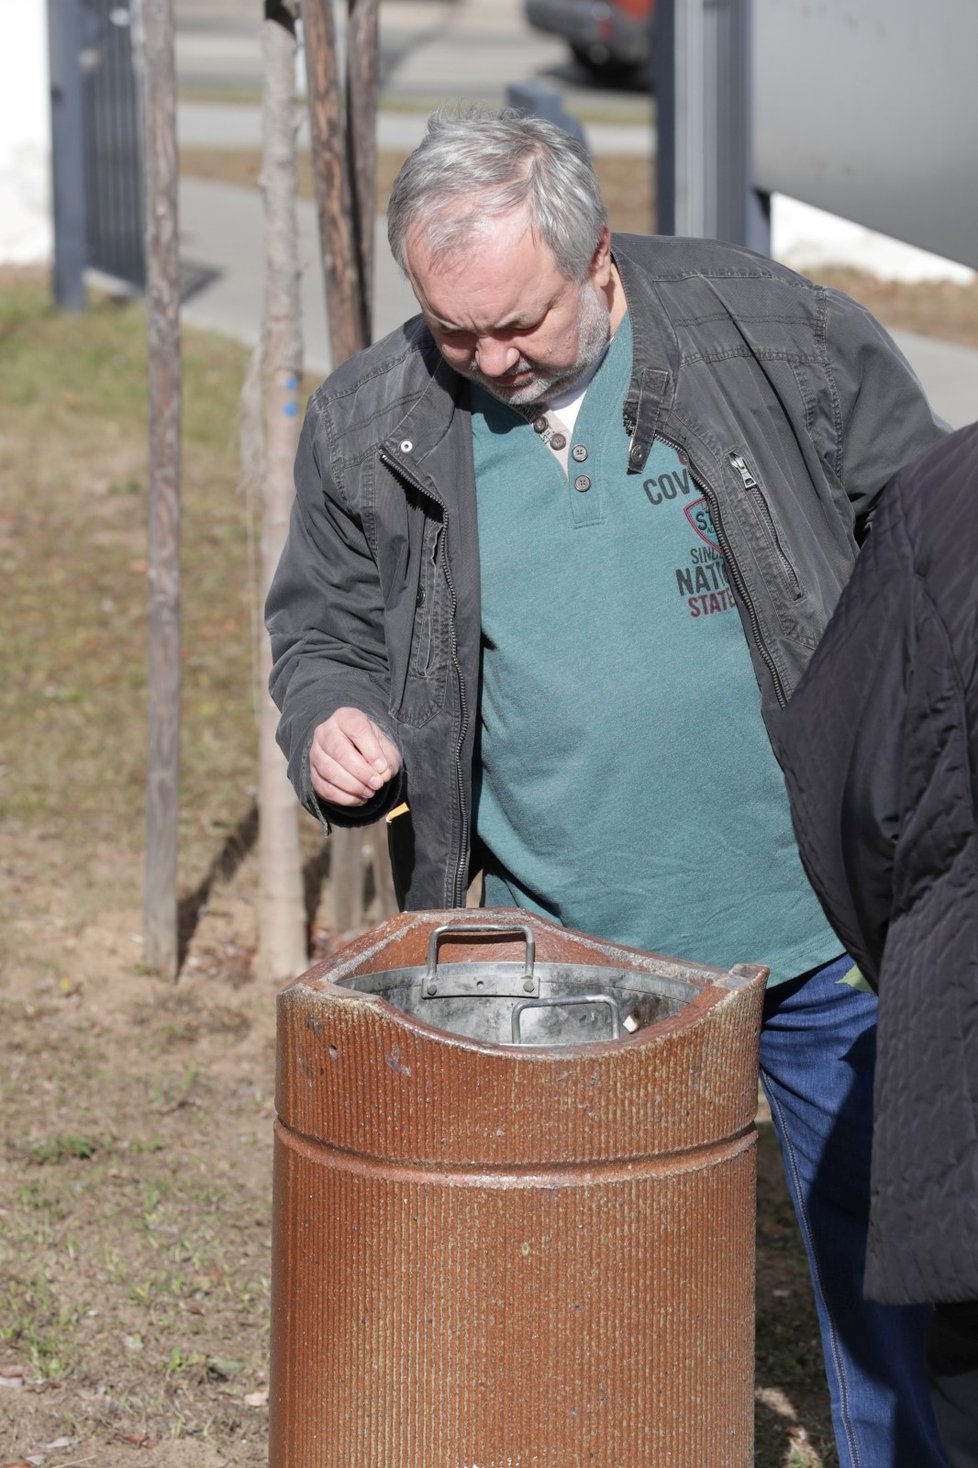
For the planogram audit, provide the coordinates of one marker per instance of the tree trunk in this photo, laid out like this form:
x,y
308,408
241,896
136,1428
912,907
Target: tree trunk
x,y
161,938
363,51
344,166
334,198
282,940
361,144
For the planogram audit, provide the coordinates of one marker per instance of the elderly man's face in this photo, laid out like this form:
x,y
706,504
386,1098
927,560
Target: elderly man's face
x,y
504,316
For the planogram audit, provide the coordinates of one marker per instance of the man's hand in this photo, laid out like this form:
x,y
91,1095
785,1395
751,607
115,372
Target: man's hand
x,y
351,759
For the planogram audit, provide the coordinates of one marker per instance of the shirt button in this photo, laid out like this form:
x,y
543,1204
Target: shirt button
x,y
558,441
539,425
579,452
582,483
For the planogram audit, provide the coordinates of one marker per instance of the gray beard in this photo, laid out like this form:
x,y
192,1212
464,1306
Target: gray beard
x,y
593,323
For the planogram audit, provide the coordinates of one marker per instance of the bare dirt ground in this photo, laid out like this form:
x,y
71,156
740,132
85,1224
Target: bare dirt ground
x,y
136,1188
135,1181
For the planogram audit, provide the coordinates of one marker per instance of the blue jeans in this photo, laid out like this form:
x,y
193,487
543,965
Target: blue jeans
x,y
818,1052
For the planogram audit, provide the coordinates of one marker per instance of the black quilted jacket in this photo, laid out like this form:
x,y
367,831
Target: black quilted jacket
x,y
880,749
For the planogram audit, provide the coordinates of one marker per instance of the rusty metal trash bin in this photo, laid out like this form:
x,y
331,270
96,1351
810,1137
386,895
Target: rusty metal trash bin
x,y
513,1203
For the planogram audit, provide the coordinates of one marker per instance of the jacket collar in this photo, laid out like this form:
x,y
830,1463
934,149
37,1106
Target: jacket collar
x,y
442,394
655,354
437,400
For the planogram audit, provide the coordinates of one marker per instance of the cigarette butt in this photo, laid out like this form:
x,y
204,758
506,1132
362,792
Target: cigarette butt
x,y
399,810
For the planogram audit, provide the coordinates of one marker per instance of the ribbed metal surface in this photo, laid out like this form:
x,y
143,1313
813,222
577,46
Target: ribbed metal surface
x,y
112,129
492,1258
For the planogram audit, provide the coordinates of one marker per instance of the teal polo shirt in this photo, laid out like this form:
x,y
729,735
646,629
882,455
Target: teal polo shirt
x,y
625,783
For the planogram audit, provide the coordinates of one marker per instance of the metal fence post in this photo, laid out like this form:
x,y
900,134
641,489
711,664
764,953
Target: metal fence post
x,y
65,41
703,91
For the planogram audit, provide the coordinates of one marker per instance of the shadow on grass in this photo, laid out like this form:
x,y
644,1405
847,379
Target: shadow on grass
x,y
315,873
236,845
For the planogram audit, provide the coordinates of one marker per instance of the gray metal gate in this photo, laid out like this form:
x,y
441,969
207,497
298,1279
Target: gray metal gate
x,y
96,137
113,149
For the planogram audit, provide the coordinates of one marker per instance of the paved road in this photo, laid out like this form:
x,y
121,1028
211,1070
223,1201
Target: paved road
x,y
430,51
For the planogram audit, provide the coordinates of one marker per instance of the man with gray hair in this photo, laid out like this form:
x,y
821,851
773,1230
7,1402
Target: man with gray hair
x,y
561,545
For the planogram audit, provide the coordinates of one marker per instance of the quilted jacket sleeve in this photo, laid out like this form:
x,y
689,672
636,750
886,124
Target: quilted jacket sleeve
x,y
839,741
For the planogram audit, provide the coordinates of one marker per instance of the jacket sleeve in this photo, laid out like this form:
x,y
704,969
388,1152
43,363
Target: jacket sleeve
x,y
880,416
840,741
325,618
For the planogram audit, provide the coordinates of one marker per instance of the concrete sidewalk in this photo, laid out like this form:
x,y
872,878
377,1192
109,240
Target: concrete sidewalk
x,y
221,245
221,234
238,125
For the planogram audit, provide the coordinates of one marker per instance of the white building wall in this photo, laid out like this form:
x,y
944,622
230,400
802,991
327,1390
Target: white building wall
x,y
25,133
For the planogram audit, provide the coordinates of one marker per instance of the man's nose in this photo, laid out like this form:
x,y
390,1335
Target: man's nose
x,y
495,358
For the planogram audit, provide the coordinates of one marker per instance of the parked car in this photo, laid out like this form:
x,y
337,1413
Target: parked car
x,y
606,36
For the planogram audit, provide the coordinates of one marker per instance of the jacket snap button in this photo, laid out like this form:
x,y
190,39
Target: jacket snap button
x,y
582,483
406,446
579,452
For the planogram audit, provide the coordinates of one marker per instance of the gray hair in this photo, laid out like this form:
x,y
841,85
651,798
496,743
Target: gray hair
x,y
474,166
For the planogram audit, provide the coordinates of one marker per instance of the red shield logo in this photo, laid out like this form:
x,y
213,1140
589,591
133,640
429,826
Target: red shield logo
x,y
699,517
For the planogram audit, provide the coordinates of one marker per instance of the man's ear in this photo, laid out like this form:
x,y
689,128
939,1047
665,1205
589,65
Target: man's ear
x,y
600,271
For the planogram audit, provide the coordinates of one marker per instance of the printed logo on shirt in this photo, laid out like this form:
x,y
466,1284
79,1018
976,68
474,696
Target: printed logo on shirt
x,y
703,583
666,487
698,515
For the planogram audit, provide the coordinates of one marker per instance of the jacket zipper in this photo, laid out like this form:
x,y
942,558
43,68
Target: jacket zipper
x,y
752,485
458,891
734,569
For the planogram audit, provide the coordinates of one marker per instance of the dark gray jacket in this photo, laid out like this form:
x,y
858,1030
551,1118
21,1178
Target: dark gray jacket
x,y
790,404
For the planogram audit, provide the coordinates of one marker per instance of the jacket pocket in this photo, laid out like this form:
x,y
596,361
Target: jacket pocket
x,y
428,662
767,526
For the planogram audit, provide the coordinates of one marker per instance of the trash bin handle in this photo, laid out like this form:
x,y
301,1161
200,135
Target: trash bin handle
x,y
563,1001
461,930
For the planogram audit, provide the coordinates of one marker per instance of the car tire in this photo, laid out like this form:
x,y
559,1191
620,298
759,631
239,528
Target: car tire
x,y
606,67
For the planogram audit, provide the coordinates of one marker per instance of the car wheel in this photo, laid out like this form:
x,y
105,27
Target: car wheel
x,y
600,64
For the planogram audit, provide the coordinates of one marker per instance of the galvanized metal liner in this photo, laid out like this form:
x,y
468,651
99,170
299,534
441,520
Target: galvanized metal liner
x,y
524,1003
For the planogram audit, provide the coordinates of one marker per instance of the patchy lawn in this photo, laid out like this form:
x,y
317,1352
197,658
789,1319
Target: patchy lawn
x,y
135,1173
